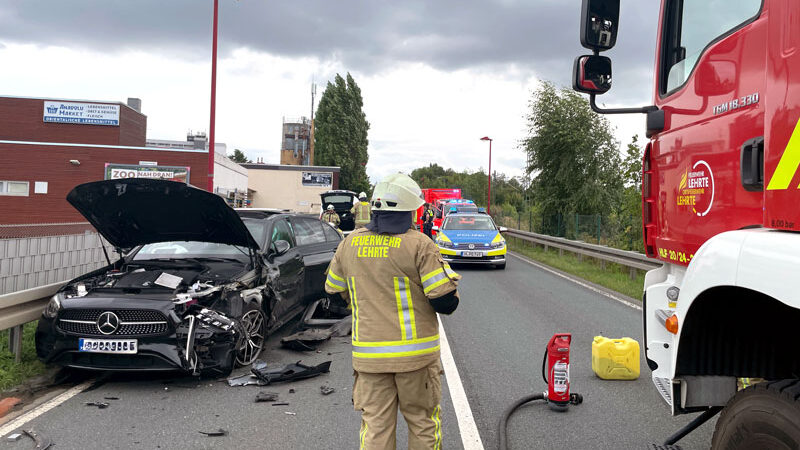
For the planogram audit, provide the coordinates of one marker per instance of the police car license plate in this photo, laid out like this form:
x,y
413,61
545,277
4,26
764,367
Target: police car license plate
x,y
469,254
118,346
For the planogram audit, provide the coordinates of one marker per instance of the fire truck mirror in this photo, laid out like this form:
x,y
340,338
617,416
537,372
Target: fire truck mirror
x,y
591,74
599,22
715,78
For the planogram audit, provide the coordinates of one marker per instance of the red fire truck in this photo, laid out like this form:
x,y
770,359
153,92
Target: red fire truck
x,y
720,208
437,198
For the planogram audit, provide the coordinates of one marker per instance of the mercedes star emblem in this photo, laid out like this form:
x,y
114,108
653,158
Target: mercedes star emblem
x,y
108,322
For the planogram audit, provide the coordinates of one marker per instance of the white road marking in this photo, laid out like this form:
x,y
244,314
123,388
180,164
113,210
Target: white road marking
x,y
470,437
576,281
17,423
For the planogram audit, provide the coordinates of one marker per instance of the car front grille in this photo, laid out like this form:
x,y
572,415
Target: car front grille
x,y
466,247
133,322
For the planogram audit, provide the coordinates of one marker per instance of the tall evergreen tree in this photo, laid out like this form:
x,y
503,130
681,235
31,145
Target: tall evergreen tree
x,y
340,133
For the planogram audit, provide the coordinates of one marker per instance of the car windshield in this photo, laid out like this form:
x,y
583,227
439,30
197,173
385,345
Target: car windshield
x,y
468,223
194,249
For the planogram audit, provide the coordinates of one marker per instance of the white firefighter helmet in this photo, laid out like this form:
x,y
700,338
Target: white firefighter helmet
x,y
397,192
362,196
330,208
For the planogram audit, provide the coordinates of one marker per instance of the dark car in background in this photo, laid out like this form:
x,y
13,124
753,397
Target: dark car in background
x,y
199,285
342,202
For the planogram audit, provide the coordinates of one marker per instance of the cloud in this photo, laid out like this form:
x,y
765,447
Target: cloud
x,y
365,35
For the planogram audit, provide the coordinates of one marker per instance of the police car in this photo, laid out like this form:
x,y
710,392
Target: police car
x,y
472,238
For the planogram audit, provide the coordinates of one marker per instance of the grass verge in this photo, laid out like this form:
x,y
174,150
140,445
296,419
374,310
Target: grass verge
x,y
613,276
13,373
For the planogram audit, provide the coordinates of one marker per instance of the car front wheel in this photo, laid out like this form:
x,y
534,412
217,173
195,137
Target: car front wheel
x,y
250,345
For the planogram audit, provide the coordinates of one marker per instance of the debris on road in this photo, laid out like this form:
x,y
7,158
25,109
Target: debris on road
x,y
110,398
326,390
266,396
289,372
307,339
291,391
100,405
280,404
14,437
42,442
290,413
217,433
245,380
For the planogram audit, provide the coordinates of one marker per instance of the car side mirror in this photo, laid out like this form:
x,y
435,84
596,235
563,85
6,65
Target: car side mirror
x,y
502,229
591,74
281,247
599,23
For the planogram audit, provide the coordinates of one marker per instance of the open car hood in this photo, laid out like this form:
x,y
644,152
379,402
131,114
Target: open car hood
x,y
133,212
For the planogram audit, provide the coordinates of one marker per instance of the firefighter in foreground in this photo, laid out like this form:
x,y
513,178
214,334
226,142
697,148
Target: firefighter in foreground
x,y
395,282
361,211
331,217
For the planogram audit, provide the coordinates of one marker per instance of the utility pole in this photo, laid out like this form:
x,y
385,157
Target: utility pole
x,y
213,101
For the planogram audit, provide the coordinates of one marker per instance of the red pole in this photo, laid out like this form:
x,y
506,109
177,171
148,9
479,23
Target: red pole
x,y
489,194
213,101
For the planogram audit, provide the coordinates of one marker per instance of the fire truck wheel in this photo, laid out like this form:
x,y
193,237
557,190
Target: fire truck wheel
x,y
766,415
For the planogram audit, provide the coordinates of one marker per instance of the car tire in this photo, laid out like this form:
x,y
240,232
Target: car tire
x,y
765,415
500,266
250,345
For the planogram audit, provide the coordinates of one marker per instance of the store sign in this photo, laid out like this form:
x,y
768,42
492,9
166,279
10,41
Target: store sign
x,y
172,173
318,179
81,113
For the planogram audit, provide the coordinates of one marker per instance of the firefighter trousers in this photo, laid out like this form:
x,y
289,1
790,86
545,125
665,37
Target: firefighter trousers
x,y
416,394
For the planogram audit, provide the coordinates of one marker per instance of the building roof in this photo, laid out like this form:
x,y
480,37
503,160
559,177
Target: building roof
x,y
256,166
58,99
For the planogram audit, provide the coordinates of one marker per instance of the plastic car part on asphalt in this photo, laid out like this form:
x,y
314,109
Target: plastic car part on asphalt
x,y
289,372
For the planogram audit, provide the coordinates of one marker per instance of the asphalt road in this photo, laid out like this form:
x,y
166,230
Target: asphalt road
x,y
497,337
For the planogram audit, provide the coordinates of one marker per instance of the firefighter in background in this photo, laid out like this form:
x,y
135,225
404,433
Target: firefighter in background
x,y
331,217
395,281
361,211
427,221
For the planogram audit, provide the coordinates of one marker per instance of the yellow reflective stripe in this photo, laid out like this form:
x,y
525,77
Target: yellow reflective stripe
x,y
400,307
445,251
335,277
363,437
411,310
450,272
431,275
437,430
396,354
788,164
351,283
358,343
436,284
335,287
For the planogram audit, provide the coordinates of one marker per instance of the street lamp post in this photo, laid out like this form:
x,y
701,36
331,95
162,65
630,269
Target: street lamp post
x,y
489,193
213,101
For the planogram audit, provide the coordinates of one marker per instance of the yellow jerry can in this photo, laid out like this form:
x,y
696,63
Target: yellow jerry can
x,y
615,359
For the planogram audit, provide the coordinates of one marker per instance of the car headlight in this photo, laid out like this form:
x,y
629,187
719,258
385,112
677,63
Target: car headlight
x,y
53,306
445,244
498,244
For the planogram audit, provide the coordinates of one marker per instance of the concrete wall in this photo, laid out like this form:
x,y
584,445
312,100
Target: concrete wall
x,y
281,188
30,262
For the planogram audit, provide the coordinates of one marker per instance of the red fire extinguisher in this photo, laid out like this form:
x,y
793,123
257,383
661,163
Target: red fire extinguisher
x,y
557,377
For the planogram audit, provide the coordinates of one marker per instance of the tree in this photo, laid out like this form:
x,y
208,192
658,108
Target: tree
x,y
572,154
239,157
340,133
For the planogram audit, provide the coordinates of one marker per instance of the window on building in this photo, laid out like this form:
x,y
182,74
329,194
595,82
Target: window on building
x,y
19,188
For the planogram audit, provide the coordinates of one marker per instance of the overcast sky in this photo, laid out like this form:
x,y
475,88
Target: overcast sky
x,y
436,76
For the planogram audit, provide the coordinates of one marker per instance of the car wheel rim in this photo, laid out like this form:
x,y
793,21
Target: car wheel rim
x,y
253,340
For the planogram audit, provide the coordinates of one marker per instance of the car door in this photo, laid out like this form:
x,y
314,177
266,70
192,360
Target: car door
x,y
288,285
317,249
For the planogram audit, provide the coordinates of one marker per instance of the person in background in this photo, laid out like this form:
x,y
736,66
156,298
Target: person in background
x,y
361,211
427,221
331,217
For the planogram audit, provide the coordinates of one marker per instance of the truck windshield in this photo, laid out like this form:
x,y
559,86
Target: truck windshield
x,y
693,24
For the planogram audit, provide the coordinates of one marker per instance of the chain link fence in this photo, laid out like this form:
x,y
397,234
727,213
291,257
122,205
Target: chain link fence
x,y
612,230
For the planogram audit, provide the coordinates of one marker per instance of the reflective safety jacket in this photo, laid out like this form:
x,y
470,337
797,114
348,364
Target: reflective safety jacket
x,y
331,217
362,213
387,279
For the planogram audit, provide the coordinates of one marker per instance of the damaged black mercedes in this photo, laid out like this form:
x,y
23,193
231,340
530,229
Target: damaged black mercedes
x,y
197,286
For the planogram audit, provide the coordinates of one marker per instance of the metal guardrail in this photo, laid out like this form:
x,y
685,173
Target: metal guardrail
x,y
633,260
21,307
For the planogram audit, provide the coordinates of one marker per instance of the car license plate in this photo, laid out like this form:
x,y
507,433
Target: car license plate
x,y
119,346
469,254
